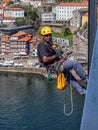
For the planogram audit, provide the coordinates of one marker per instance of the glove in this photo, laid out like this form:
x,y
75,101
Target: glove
x,y
64,56
58,55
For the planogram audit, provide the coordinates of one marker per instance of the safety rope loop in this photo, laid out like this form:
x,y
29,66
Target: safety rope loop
x,y
71,100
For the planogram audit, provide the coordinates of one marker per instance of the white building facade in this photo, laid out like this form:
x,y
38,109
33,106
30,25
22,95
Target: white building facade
x,y
34,3
48,17
8,20
8,15
14,12
1,9
64,11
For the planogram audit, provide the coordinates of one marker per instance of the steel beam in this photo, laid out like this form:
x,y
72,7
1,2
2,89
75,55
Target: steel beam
x,y
92,25
90,111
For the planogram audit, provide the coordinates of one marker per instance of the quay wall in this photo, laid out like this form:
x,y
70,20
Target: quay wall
x,y
41,71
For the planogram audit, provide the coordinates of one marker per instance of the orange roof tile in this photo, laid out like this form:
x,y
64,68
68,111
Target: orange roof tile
x,y
29,35
33,40
6,1
5,38
73,4
10,18
25,39
1,7
19,34
13,9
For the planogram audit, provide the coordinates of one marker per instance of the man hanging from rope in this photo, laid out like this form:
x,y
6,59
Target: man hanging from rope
x,y
50,57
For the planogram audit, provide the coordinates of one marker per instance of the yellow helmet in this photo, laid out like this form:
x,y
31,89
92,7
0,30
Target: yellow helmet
x,y
46,30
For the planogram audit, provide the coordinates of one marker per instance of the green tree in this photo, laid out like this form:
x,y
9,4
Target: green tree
x,y
31,14
31,17
11,2
49,9
20,21
66,31
3,25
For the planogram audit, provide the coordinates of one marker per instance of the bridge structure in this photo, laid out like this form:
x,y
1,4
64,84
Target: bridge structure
x,y
90,111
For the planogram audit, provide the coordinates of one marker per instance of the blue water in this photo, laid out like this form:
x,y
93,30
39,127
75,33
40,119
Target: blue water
x,y
30,102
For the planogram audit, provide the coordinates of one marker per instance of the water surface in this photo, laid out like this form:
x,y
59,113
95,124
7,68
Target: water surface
x,y
30,102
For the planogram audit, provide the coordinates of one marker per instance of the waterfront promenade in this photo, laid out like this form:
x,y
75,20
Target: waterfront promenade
x,y
30,70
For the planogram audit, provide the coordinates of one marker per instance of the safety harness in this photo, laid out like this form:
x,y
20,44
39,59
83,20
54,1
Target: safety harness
x,y
57,69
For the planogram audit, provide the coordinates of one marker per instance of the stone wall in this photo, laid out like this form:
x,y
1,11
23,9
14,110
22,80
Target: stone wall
x,y
40,71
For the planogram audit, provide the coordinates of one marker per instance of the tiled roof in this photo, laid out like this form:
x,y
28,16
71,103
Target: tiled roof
x,y
34,39
73,4
19,34
5,38
9,18
6,1
13,9
1,7
25,39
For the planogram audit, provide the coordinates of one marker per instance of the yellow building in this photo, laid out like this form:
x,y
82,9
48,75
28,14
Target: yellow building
x,y
85,18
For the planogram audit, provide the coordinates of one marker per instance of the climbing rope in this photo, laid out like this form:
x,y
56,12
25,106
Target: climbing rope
x,y
71,100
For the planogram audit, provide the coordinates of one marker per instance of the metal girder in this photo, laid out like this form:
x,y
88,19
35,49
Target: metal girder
x,y
92,25
90,111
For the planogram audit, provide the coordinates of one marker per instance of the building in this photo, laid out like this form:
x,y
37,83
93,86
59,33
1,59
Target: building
x,y
19,43
7,20
14,12
34,3
5,2
4,45
76,20
1,9
48,17
64,11
33,46
8,15
85,18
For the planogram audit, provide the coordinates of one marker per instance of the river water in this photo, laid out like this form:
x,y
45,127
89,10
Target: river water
x,y
30,102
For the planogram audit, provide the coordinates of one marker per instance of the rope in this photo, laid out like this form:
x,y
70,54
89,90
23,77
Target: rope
x,y
71,99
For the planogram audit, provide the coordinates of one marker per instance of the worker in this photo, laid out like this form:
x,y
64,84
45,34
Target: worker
x,y
48,56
